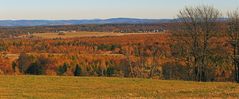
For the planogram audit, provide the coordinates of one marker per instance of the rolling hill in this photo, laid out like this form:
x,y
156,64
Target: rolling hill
x,y
78,22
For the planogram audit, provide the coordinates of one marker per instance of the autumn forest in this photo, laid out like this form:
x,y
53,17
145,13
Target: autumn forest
x,y
199,45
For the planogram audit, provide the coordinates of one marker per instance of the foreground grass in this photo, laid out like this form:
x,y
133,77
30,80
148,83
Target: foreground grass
x,y
45,87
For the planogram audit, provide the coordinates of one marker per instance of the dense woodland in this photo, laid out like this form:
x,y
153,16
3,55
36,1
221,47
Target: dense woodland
x,y
198,48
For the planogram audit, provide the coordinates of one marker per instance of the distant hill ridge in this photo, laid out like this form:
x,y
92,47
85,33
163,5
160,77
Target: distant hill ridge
x,y
76,22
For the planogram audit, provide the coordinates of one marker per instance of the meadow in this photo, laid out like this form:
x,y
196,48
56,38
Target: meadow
x,y
81,34
56,87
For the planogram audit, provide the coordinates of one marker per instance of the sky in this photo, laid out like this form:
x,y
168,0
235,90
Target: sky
x,y
103,9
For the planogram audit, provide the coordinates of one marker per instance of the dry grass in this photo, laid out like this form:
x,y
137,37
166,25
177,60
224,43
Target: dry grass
x,y
44,87
82,34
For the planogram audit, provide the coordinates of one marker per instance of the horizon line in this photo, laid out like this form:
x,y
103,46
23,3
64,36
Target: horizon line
x,y
93,19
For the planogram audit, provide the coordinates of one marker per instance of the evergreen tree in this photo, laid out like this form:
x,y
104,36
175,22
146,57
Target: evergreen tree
x,y
62,69
35,69
77,71
14,65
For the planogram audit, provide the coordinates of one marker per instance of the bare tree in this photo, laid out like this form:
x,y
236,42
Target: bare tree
x,y
156,53
127,52
195,27
233,31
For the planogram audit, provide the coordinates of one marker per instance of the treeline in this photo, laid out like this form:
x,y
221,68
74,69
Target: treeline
x,y
119,28
89,45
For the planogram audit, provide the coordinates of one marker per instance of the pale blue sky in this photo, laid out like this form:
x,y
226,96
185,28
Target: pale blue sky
x,y
90,9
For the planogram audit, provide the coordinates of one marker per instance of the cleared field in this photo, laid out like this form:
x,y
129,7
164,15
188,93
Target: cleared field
x,y
82,34
45,87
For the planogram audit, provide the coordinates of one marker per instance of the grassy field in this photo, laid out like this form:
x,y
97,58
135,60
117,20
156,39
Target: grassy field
x,y
45,87
82,34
